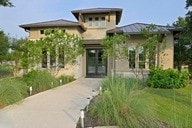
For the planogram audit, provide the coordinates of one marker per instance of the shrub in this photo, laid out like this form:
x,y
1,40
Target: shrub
x,y
11,91
40,80
66,79
169,78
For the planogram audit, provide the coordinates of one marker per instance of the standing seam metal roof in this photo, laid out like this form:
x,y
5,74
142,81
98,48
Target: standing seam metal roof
x,y
54,23
136,28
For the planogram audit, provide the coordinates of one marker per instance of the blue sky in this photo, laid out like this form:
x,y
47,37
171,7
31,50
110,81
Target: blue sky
x,y
146,11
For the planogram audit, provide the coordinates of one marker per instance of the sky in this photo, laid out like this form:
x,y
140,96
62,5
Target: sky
x,y
160,12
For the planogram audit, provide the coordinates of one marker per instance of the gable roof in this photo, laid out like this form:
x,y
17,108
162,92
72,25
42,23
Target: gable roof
x,y
118,11
54,23
136,28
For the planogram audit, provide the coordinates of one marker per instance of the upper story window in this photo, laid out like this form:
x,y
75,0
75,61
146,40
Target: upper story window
x,y
42,31
96,21
90,22
103,22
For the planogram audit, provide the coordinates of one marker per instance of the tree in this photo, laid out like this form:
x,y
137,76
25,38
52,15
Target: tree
x,y
4,46
28,54
153,44
182,45
6,3
116,47
59,44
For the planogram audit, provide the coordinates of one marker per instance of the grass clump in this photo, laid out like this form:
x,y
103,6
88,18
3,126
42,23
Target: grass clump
x,y
11,91
121,104
66,79
40,80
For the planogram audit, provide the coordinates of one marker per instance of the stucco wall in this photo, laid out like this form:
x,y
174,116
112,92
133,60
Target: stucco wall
x,y
99,32
166,56
34,33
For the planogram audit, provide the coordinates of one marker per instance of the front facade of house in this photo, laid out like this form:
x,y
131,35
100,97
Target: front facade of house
x,y
94,25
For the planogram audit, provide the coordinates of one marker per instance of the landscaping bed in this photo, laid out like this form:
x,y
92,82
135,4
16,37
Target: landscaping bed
x,y
13,89
125,102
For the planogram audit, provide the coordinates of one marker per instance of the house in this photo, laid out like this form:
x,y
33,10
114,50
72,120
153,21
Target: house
x,y
93,25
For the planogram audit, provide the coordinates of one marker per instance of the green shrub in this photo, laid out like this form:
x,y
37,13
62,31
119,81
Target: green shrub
x,y
169,78
11,91
66,79
121,104
40,80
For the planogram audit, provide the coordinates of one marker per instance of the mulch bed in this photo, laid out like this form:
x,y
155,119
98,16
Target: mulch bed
x,y
90,121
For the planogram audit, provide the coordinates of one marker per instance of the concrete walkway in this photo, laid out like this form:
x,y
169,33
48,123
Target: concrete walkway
x,y
56,108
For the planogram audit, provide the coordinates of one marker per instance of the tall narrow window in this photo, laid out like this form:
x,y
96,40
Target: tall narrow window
x,y
42,32
141,57
90,22
53,58
132,54
96,21
103,22
44,58
61,57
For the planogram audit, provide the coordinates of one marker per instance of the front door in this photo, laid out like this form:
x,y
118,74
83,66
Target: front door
x,y
96,65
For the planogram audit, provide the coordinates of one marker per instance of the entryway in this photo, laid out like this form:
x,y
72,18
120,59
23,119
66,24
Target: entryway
x,y
96,65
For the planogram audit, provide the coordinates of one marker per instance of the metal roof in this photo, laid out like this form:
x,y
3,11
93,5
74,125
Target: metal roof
x,y
136,28
54,23
118,11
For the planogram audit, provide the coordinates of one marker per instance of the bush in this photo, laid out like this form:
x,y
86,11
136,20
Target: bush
x,y
169,78
40,80
11,91
66,79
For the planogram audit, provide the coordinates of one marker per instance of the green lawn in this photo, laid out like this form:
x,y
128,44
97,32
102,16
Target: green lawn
x,y
173,106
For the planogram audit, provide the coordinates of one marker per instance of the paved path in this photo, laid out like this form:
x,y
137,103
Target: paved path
x,y
56,108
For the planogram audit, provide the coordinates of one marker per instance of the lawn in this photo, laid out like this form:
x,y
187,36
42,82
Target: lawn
x,y
127,103
173,106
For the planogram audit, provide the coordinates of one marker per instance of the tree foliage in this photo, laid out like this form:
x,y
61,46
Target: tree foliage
x,y
182,45
115,46
27,54
4,46
154,41
71,44
6,3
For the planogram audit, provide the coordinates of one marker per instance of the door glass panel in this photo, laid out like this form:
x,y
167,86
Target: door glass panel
x,y
101,63
91,61
132,57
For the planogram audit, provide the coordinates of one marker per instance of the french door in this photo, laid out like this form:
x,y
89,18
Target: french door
x,y
96,65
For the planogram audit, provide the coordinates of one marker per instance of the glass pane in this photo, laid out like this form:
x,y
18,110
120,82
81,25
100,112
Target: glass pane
x,y
91,61
132,57
141,57
103,22
101,63
96,21
90,22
